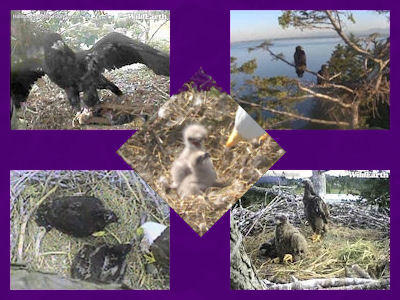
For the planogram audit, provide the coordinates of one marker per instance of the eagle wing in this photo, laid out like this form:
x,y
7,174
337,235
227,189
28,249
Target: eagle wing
x,y
300,58
24,73
116,50
321,209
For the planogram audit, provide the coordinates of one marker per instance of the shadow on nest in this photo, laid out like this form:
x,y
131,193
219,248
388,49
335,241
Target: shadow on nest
x,y
152,151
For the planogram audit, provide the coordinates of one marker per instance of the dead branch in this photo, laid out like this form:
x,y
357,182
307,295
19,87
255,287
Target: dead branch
x,y
323,96
332,283
338,86
296,116
349,214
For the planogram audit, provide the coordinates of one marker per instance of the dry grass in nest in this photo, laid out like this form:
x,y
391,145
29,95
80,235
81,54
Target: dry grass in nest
x,y
341,248
47,106
152,151
121,191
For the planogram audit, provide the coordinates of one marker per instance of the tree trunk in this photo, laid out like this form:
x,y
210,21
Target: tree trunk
x,y
319,182
243,275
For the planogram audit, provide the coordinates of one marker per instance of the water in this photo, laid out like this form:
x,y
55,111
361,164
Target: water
x,y
338,198
318,52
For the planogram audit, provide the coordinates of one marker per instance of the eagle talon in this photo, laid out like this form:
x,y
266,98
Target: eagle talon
x,y
150,259
316,238
99,233
262,138
288,258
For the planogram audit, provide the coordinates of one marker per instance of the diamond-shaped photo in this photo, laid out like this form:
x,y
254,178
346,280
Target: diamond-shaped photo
x,y
313,230
201,152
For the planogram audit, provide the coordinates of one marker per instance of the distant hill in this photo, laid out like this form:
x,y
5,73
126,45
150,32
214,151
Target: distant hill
x,y
385,32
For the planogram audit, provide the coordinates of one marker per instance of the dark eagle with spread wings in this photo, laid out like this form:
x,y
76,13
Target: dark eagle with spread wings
x,y
300,61
315,210
80,71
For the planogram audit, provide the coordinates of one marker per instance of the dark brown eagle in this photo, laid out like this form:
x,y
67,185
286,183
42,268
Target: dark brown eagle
x,y
79,71
315,210
300,61
79,216
324,72
289,242
268,249
102,263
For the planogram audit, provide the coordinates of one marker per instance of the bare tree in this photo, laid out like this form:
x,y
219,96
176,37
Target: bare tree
x,y
319,181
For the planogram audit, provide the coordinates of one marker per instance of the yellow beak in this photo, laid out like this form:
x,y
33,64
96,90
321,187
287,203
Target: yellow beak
x,y
233,139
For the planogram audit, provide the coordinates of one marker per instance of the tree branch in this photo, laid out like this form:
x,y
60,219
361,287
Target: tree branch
x,y
295,116
332,283
338,86
337,27
323,96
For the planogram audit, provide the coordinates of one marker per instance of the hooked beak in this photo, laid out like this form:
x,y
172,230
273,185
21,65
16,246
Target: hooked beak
x,y
233,139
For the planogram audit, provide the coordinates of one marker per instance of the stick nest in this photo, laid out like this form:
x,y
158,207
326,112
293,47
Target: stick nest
x,y
121,191
349,241
47,106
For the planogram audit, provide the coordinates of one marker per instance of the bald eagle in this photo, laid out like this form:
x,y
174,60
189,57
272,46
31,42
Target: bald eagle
x,y
81,71
245,128
324,72
315,210
79,216
155,239
300,61
102,263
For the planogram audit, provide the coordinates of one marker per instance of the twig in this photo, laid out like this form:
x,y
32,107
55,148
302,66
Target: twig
x,y
54,253
164,95
113,235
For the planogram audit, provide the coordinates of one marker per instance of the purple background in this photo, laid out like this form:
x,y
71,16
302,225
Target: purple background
x,y
199,38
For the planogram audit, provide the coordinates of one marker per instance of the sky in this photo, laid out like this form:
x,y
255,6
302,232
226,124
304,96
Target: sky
x,y
263,24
